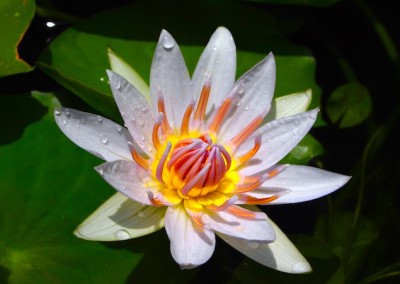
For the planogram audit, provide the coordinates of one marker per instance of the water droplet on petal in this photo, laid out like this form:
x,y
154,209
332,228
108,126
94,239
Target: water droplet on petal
x,y
238,104
144,109
57,111
214,48
142,138
141,214
117,84
64,122
241,90
82,121
99,118
296,122
168,43
313,115
269,140
119,128
122,235
253,245
67,113
246,108
141,122
103,139
283,101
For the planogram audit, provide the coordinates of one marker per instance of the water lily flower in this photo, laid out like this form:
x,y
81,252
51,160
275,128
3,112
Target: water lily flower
x,y
197,154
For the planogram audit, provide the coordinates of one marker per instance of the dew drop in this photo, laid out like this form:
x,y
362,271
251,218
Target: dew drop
x,y
99,118
67,113
168,43
119,128
123,188
102,79
82,121
142,138
214,48
122,235
253,245
64,122
238,104
141,214
103,139
296,122
57,111
313,115
117,84
144,109
283,101
77,125
241,90
141,122
269,140
246,108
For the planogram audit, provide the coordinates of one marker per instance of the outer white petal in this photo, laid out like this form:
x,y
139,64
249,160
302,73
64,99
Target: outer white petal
x,y
279,137
218,63
129,179
134,110
289,105
121,218
170,77
120,66
304,183
254,92
97,135
281,254
248,229
190,247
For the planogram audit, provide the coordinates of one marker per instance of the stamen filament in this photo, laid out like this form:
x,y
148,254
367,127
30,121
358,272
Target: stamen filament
x,y
247,131
165,127
186,119
156,127
241,188
220,115
202,106
257,201
142,162
160,166
192,183
244,158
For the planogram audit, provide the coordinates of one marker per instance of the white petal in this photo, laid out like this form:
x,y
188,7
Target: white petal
x,y
120,66
121,218
255,90
97,135
190,247
248,229
281,254
279,137
134,110
304,183
129,179
218,63
170,77
289,105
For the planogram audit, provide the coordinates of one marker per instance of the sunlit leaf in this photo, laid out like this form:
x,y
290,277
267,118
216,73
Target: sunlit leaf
x,y
307,149
78,58
15,17
349,105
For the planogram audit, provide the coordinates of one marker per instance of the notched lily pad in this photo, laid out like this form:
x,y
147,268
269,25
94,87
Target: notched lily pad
x,y
349,105
15,18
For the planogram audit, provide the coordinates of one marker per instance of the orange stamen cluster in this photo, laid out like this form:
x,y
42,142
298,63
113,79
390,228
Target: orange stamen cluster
x,y
191,167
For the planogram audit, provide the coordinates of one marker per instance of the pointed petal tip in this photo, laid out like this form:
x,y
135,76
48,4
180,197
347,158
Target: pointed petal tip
x,y
301,267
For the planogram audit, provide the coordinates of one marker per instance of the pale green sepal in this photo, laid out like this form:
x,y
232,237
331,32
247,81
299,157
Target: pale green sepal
x,y
121,218
289,105
120,66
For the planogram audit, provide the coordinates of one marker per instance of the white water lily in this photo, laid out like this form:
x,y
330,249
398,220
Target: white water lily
x,y
194,151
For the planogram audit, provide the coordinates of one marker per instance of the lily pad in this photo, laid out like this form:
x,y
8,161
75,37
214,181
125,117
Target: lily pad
x,y
349,105
77,59
15,18
48,186
307,149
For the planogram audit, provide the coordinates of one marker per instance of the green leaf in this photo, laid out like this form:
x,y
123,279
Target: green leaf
x,y
326,266
78,58
48,186
349,105
307,149
337,231
15,18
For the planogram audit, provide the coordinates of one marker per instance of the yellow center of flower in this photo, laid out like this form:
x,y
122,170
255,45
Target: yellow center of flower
x,y
190,166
